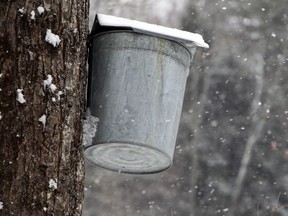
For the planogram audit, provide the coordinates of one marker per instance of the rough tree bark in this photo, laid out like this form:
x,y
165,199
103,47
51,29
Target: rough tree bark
x,y
42,87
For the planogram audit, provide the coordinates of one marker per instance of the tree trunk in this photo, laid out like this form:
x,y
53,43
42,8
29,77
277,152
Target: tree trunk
x,y
42,83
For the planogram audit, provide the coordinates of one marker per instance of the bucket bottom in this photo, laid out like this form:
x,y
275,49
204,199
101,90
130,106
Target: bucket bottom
x,y
127,158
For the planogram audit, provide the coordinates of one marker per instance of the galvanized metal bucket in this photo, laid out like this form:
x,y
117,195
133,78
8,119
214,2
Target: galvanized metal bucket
x,y
136,89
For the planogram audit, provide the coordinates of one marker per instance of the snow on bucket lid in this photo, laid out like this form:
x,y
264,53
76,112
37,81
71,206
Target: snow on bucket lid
x,y
187,38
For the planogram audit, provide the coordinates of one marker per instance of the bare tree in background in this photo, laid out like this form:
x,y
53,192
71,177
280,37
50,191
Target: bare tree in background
x,y
258,114
257,125
42,80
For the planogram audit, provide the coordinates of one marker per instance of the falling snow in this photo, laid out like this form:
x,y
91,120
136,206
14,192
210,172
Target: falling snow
x,y
1,205
225,210
236,57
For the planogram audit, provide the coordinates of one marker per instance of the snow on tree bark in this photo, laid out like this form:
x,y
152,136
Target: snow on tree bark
x,y
33,156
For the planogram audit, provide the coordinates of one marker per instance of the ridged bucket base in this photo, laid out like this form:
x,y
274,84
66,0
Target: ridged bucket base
x,y
127,158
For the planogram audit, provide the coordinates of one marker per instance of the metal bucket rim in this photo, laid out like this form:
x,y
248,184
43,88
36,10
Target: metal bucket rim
x,y
92,37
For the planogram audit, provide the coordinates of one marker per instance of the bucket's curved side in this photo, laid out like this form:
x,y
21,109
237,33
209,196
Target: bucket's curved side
x,y
137,89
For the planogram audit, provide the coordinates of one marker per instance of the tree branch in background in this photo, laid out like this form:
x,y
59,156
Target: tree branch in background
x,y
256,129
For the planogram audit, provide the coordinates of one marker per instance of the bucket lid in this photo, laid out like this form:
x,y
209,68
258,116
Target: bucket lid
x,y
107,23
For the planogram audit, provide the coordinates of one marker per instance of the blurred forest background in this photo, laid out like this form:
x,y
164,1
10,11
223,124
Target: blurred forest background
x,y
232,148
